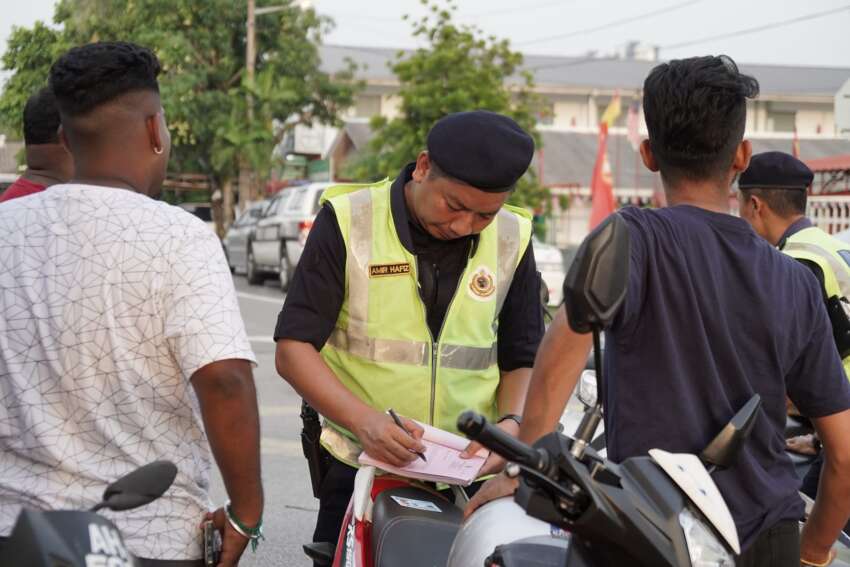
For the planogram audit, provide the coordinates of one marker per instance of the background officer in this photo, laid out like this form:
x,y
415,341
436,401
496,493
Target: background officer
x,y
772,197
419,294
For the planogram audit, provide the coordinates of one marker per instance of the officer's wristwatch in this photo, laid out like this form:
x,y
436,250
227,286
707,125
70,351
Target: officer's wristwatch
x,y
512,416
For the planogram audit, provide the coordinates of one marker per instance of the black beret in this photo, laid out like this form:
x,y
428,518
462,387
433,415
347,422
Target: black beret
x,y
776,170
483,149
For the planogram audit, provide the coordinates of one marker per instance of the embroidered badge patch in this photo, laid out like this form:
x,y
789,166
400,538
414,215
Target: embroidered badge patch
x,y
381,270
482,284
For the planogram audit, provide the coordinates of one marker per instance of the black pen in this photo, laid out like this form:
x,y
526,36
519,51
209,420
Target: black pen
x,y
398,422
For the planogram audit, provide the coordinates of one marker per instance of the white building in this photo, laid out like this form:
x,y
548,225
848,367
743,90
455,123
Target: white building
x,y
577,91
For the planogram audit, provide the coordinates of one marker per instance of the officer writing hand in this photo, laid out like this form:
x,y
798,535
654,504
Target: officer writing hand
x,y
382,439
494,462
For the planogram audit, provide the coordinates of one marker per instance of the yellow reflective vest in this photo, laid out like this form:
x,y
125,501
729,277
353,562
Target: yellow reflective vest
x,y
833,258
381,348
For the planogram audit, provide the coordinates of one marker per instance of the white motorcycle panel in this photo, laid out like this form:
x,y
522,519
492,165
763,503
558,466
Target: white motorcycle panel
x,y
689,474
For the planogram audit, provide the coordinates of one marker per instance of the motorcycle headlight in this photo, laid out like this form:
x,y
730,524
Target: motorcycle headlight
x,y
705,549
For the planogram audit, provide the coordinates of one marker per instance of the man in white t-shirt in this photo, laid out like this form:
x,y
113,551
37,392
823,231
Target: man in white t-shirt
x,y
121,340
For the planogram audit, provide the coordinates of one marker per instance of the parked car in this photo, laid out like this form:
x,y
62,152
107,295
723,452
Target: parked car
x,y
282,232
550,264
239,237
201,210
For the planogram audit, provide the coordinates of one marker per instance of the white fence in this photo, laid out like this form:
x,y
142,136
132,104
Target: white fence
x,y
829,212
569,227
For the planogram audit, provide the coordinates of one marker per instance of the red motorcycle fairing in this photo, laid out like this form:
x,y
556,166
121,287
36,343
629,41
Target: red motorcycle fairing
x,y
353,548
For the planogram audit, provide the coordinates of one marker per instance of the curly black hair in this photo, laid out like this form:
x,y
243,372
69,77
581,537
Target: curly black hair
x,y
90,75
696,111
41,119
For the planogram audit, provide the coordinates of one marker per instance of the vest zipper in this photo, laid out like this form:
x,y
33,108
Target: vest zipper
x,y
435,345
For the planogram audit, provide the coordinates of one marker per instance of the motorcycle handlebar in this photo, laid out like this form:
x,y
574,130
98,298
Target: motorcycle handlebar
x,y
476,427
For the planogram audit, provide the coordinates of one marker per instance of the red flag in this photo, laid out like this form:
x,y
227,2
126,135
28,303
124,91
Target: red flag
x,y
601,186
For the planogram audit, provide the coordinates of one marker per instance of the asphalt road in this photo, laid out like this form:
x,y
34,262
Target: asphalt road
x,y
290,511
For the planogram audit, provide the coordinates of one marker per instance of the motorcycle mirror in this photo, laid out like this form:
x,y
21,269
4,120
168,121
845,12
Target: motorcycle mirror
x,y
596,284
587,388
140,487
723,450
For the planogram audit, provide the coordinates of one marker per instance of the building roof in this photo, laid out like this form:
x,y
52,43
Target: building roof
x,y
600,73
359,132
9,156
831,163
568,156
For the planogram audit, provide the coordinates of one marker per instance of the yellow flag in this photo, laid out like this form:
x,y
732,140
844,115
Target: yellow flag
x,y
612,112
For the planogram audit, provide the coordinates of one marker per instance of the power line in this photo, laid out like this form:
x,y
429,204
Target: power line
x,y
592,59
514,10
612,24
758,28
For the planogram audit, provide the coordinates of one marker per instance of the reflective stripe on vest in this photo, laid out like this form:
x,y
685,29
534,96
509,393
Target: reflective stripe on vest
x,y
382,349
842,275
355,338
813,245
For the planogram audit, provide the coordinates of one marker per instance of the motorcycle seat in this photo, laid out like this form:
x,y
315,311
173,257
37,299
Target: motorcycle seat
x,y
413,527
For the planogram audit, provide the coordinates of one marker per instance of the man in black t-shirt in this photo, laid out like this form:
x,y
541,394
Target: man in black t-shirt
x,y
713,315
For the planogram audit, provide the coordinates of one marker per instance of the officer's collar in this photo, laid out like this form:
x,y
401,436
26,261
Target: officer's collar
x,y
398,206
798,225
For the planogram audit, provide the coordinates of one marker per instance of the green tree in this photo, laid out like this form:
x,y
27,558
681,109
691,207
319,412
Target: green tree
x,y
29,53
459,69
201,45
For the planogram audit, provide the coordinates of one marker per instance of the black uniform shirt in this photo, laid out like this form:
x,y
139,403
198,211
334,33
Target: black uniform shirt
x,y
797,226
317,290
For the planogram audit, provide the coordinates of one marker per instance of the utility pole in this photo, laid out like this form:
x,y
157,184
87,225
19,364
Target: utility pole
x,y
246,181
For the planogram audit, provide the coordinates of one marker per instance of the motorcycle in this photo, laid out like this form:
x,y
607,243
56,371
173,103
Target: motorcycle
x,y
660,509
76,538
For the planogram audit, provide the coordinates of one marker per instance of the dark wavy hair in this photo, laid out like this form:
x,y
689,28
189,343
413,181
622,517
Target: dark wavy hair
x,y
696,111
90,75
41,119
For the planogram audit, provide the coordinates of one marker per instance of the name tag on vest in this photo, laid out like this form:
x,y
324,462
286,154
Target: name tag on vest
x,y
381,270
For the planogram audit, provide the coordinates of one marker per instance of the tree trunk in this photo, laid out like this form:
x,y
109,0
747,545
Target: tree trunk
x,y
227,204
245,182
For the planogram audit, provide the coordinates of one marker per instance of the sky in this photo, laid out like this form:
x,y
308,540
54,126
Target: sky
x,y
818,37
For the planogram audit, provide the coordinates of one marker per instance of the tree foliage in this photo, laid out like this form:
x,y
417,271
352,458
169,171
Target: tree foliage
x,y
459,69
201,45
29,52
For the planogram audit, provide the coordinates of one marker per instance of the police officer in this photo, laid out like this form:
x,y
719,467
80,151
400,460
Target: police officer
x,y
772,199
419,294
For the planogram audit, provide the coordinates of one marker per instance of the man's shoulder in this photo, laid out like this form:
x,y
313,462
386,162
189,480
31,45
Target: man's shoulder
x,y
147,214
